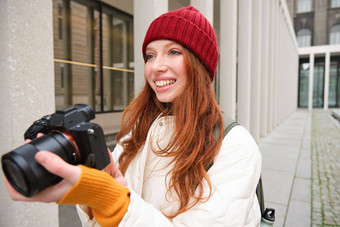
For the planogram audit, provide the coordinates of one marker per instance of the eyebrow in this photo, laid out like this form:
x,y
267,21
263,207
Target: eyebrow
x,y
166,45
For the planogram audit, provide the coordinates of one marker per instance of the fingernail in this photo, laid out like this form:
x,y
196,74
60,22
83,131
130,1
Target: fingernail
x,y
40,156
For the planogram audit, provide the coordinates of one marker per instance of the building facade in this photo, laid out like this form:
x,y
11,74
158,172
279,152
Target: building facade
x,y
317,27
62,52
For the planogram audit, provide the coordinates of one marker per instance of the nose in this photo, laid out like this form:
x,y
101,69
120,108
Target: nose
x,y
159,64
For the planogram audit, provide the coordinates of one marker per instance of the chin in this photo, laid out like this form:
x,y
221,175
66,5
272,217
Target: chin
x,y
165,99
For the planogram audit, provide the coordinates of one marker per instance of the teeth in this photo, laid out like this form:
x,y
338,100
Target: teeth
x,y
162,83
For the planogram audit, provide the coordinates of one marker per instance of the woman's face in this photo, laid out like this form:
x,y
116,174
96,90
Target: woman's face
x,y
165,69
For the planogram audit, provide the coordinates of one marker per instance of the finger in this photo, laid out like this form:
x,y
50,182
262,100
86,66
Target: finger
x,y
113,171
28,141
111,160
39,135
110,154
116,170
108,168
54,164
117,174
121,180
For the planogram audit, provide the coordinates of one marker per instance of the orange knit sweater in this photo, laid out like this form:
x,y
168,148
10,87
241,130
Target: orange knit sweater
x,y
108,199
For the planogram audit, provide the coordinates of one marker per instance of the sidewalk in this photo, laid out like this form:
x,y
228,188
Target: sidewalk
x,y
286,170
293,155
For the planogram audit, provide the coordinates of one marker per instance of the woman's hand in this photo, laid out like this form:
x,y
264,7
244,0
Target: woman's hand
x,y
113,171
54,164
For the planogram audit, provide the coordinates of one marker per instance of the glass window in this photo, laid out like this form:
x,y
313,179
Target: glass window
x,y
93,51
318,82
334,83
304,6
117,33
60,20
303,83
335,3
304,37
334,37
79,54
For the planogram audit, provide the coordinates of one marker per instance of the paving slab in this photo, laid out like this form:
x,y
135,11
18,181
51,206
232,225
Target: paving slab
x,y
298,214
277,185
301,190
304,168
286,168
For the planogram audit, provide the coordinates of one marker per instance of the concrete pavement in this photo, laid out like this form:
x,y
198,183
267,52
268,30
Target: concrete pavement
x,y
301,169
286,170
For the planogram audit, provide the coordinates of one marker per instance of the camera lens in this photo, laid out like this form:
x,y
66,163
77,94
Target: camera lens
x,y
26,175
14,173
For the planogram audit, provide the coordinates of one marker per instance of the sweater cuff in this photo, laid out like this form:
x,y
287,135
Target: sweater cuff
x,y
101,192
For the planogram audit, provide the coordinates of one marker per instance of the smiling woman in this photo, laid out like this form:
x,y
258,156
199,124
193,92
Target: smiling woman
x,y
167,140
165,69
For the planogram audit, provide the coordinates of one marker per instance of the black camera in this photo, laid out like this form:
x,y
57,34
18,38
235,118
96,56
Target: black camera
x,y
70,135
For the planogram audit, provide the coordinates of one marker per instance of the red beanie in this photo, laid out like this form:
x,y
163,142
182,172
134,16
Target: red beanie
x,y
188,27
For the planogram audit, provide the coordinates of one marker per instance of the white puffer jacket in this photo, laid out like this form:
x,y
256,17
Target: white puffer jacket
x,y
234,176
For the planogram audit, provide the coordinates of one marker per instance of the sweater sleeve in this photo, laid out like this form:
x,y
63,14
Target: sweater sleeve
x,y
108,199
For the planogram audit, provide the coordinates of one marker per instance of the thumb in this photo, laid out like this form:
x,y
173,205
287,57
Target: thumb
x,y
57,166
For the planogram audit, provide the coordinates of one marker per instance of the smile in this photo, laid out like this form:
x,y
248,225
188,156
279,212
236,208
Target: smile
x,y
163,83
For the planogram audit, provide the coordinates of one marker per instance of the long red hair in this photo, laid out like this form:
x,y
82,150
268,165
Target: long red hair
x,y
193,145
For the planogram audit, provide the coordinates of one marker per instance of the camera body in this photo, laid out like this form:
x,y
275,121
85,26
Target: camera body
x,y
69,134
87,138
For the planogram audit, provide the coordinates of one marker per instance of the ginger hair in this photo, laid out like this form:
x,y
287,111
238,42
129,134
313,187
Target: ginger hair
x,y
193,145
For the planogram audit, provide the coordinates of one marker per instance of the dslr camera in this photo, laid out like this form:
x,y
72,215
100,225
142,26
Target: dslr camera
x,y
67,133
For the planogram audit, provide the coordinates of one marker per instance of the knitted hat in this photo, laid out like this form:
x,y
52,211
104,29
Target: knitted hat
x,y
188,27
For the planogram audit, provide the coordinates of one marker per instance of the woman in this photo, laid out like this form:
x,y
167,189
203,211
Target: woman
x,y
177,167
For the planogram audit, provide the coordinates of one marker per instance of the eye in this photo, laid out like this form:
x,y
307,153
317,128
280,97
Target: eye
x,y
149,56
175,52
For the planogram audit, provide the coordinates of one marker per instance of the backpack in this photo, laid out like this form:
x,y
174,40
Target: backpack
x,y
267,214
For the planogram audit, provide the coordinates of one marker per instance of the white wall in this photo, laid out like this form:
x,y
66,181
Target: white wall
x,y
26,93
267,66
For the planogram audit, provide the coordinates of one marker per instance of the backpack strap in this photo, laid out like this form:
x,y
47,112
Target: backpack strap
x,y
228,124
260,196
